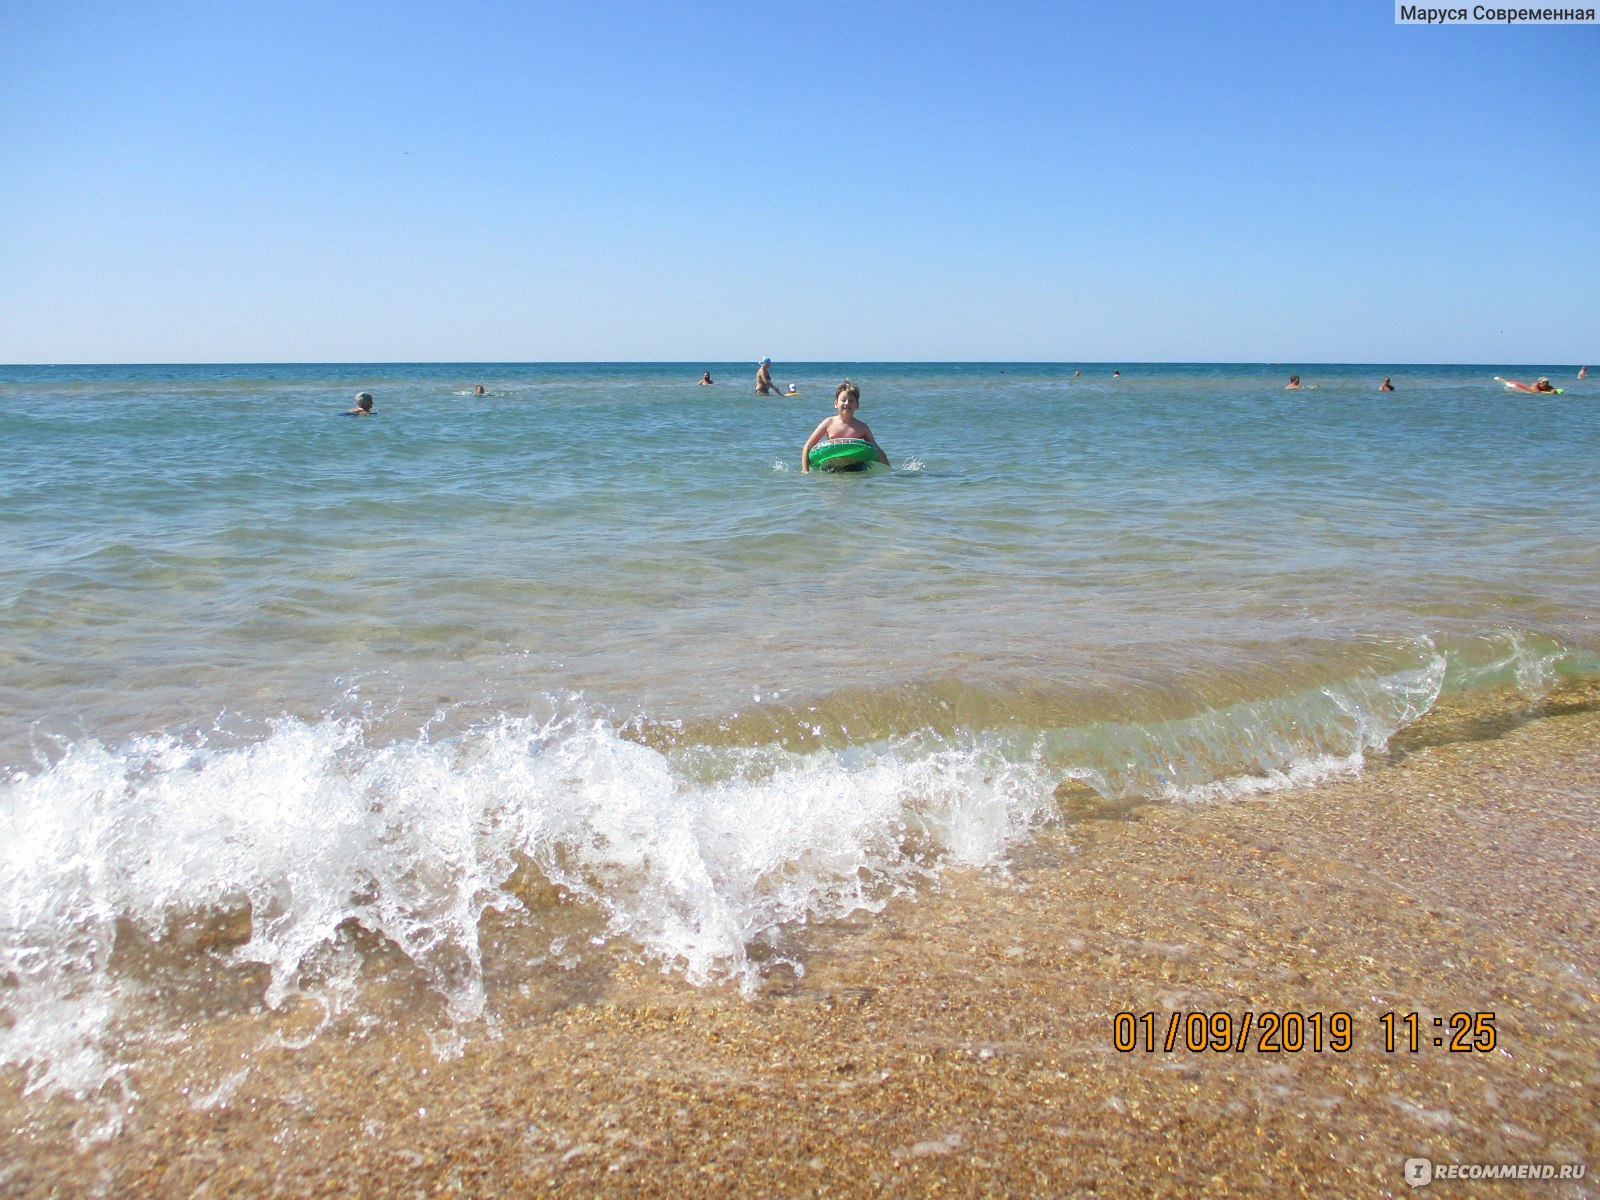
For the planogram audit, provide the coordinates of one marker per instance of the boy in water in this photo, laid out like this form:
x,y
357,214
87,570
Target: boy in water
x,y
846,399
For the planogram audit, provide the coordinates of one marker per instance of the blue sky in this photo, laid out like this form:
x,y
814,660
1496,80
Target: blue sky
x,y
483,181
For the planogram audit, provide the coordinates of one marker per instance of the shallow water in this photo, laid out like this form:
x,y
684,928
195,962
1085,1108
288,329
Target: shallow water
x,y
596,633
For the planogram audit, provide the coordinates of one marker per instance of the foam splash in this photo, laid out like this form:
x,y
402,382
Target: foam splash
x,y
1532,664
693,857
698,856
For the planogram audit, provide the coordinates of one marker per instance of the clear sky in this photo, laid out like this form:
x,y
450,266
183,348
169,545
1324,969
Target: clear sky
x,y
344,180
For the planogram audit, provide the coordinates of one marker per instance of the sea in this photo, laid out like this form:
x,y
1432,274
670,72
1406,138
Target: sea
x,y
587,659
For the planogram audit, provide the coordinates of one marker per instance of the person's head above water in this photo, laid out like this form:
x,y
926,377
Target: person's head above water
x,y
846,393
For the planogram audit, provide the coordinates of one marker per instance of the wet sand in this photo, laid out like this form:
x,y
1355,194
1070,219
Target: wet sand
x,y
962,1043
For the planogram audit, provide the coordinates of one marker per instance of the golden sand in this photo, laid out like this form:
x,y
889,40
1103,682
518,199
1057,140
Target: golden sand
x,y
962,1043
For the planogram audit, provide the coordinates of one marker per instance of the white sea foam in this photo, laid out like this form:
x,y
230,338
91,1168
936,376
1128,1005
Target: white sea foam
x,y
693,856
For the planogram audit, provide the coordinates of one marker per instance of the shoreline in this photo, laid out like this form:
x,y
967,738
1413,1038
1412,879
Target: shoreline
x,y
962,1040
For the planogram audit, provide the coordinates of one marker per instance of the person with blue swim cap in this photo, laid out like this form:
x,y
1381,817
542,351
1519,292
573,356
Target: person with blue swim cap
x,y
764,384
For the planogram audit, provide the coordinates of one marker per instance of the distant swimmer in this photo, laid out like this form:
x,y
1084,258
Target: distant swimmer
x,y
1583,372
843,426
1116,374
791,390
1293,385
1386,386
1077,374
706,379
478,391
1543,384
363,406
764,377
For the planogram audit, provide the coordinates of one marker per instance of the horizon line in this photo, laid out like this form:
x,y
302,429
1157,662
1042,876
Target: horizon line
x,y
723,362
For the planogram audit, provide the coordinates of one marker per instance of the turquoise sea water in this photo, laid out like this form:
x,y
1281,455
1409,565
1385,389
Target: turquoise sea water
x,y
259,656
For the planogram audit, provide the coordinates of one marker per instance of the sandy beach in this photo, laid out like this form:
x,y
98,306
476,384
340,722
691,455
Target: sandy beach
x,y
963,1042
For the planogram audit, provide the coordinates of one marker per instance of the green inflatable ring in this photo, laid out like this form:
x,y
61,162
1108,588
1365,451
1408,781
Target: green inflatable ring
x,y
842,454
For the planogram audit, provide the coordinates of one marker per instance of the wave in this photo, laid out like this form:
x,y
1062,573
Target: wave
x,y
701,854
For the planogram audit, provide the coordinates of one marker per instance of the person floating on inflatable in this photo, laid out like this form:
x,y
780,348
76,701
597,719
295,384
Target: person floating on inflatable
x,y
1543,385
841,438
791,390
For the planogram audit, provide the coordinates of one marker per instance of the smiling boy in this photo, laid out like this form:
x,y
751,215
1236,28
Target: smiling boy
x,y
843,424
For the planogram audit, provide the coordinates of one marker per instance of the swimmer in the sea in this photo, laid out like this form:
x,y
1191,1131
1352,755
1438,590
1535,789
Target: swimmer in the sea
x,y
1386,386
846,399
706,379
1293,385
363,406
764,382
